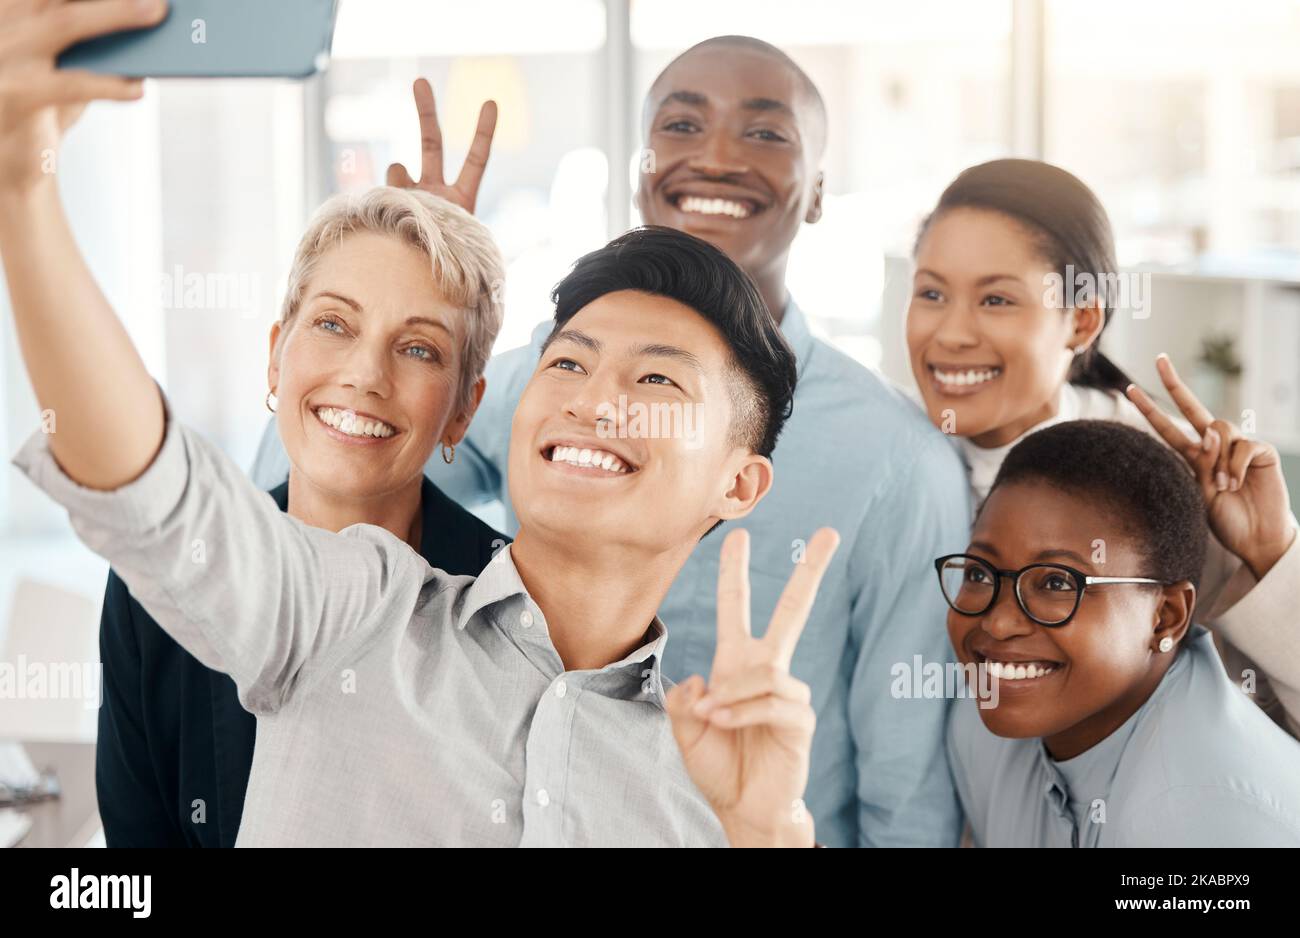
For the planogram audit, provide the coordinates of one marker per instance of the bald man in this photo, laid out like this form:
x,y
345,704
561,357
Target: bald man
x,y
736,131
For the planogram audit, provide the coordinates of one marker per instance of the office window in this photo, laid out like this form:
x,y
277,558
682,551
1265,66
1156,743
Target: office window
x,y
544,193
1186,122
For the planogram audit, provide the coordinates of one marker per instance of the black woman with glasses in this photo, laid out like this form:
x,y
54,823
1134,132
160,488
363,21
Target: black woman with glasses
x,y
1112,721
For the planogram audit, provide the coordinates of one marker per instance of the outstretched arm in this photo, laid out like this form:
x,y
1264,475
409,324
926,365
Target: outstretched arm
x,y
81,362
244,588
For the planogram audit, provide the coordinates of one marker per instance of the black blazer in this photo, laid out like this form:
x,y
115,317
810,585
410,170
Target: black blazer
x,y
175,746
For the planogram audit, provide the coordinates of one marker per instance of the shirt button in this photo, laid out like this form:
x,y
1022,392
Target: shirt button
x,y
526,619
543,798
561,689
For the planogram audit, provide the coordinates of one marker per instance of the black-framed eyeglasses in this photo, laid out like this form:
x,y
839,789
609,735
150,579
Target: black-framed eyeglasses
x,y
1048,593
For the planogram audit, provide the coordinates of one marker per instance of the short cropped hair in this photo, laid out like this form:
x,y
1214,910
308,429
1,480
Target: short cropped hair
x,y
749,43
670,263
467,265
1134,478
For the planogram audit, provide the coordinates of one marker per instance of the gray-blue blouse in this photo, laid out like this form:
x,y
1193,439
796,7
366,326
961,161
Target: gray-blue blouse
x,y
1197,765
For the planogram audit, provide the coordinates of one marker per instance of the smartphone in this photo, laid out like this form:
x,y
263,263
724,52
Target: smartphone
x,y
218,39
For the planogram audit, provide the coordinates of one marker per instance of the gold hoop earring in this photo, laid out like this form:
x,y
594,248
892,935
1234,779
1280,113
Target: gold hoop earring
x,y
267,402
448,453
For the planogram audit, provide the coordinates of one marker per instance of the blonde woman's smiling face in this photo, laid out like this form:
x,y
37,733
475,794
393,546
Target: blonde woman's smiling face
x,y
366,373
988,354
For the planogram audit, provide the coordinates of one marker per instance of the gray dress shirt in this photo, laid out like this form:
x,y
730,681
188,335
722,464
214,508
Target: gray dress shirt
x,y
396,704
1198,765
855,455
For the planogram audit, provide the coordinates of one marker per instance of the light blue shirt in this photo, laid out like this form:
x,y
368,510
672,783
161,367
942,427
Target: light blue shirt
x,y
855,455
1198,765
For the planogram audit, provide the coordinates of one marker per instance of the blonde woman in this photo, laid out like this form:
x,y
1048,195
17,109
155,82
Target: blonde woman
x,y
375,363
398,703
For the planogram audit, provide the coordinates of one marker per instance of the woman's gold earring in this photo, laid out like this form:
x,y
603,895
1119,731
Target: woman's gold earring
x,y
270,395
448,453
1166,643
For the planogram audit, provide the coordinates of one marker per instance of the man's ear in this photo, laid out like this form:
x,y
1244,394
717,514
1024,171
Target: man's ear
x,y
273,358
815,209
457,426
752,480
1088,323
1174,614
640,197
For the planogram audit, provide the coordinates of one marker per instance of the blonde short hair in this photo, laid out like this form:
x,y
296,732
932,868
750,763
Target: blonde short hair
x,y
467,264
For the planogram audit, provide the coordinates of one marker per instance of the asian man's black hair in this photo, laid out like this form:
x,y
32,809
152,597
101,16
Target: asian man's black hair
x,y
669,263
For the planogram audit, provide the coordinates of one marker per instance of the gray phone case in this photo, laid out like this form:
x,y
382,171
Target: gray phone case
x,y
218,39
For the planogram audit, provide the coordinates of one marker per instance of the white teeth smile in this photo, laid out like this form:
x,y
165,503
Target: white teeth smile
x,y
588,459
346,421
966,378
1008,671
699,206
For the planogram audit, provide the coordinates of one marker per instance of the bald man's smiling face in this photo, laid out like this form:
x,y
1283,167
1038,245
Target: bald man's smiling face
x,y
737,139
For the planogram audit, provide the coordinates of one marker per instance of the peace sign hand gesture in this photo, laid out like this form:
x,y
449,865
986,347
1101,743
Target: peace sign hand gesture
x,y
1241,479
464,191
746,737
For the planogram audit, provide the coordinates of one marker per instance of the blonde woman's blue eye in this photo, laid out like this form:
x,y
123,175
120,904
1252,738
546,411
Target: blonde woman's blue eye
x,y
329,322
428,355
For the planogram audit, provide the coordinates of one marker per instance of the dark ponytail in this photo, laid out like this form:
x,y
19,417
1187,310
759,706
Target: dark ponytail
x,y
1073,230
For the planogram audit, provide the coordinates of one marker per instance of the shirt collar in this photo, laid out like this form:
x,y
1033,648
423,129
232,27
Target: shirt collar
x,y
500,581
1089,775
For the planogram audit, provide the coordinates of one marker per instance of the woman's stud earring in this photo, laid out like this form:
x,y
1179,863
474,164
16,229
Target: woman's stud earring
x,y
448,453
1166,643
270,396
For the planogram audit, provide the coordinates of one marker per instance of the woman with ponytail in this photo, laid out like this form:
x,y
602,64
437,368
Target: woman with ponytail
x,y
1003,343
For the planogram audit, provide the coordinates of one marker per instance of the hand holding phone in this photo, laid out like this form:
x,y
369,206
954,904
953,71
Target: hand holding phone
x,y
38,101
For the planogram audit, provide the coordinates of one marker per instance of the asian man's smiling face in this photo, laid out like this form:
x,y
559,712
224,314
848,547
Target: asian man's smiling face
x,y
1103,663
736,141
580,474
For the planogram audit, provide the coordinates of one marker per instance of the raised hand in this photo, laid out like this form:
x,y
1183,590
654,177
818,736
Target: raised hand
x,y
745,738
39,101
464,191
1241,479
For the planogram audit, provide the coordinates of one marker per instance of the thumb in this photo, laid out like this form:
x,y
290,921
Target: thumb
x,y
69,114
679,702
399,178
